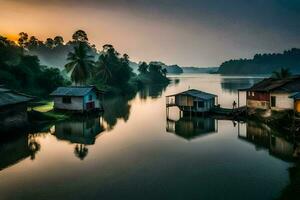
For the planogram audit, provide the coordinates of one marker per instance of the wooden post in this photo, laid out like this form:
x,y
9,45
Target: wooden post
x,y
238,98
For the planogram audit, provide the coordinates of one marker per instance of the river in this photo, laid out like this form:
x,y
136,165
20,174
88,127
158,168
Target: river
x,y
133,151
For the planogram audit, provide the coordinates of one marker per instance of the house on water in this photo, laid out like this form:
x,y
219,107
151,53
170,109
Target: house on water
x,y
13,109
78,98
194,101
272,94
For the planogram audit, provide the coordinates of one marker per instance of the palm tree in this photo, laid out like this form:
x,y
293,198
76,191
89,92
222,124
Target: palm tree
x,y
81,151
103,69
80,65
283,73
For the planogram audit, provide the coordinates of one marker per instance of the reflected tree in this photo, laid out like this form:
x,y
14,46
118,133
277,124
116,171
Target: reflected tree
x,y
81,151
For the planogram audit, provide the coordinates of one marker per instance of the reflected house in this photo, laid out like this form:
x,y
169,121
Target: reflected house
x,y
13,109
191,128
78,98
273,94
14,150
192,100
261,136
82,131
232,85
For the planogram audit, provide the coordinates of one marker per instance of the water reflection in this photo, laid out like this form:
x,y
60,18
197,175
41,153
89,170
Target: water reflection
x,y
116,108
81,132
263,137
153,91
17,148
232,85
191,128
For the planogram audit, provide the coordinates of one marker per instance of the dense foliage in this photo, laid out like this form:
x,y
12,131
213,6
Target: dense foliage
x,y
77,61
152,73
24,73
264,63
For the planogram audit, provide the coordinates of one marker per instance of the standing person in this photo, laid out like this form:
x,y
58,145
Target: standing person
x,y
233,105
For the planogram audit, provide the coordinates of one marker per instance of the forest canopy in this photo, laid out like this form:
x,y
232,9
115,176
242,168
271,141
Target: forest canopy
x,y
264,63
24,72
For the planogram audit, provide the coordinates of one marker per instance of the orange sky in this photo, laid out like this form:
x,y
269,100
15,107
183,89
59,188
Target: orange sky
x,y
199,33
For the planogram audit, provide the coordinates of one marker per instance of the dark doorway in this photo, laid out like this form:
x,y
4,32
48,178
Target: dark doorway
x,y
273,101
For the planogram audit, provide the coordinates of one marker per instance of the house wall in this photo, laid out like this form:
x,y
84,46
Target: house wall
x,y
208,105
183,100
12,117
283,101
94,99
297,106
75,105
258,100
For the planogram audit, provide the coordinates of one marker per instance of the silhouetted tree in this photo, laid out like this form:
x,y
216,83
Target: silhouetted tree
x,y
80,36
49,43
80,65
143,67
58,40
33,42
81,151
23,39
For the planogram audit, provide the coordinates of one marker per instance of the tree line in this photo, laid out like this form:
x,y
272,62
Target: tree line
x,y
264,63
76,61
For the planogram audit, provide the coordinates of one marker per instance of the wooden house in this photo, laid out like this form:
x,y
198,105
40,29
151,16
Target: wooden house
x,y
78,98
13,110
194,101
272,94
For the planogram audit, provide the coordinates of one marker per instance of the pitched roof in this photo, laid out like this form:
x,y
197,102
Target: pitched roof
x,y
271,84
77,91
9,97
197,94
295,96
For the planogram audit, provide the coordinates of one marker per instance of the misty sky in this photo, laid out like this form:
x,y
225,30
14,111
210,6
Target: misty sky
x,y
184,32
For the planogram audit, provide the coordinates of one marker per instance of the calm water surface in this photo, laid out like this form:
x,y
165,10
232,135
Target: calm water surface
x,y
134,152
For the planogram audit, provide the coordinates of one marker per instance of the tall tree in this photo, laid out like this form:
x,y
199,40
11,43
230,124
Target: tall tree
x,y
143,68
23,39
58,40
49,43
81,151
81,64
80,36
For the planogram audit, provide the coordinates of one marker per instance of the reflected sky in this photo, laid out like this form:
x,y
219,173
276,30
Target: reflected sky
x,y
138,159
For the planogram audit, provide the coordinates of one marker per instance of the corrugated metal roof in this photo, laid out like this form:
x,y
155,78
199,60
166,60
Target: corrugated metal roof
x,y
73,91
270,84
197,94
295,95
8,97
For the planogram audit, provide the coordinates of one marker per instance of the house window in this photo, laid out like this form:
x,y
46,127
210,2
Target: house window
x,y
67,100
273,101
201,104
90,97
195,104
253,94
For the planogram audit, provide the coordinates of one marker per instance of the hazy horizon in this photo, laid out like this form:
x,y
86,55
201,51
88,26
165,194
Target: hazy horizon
x,y
190,33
